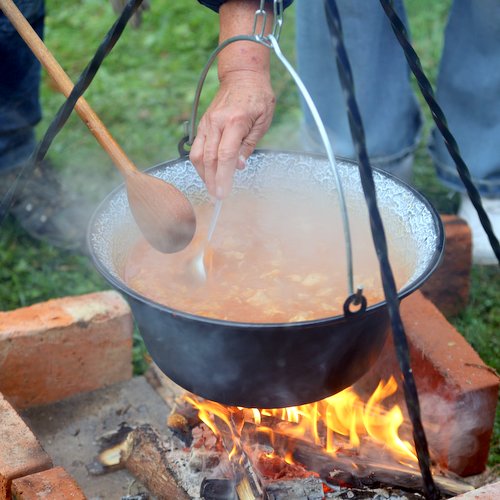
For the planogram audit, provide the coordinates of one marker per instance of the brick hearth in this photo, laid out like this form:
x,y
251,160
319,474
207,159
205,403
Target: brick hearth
x,y
63,347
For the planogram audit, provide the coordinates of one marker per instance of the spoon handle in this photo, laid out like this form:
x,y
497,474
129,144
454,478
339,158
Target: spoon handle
x,y
65,85
213,221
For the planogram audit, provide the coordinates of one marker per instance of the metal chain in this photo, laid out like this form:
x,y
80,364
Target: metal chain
x,y
278,18
261,14
380,242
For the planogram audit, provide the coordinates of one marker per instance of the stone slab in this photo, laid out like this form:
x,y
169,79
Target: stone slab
x,y
69,430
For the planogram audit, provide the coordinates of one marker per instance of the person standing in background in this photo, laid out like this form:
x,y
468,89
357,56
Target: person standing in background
x,y
468,90
42,208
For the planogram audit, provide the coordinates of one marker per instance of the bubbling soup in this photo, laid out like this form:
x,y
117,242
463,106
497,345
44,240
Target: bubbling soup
x,y
275,257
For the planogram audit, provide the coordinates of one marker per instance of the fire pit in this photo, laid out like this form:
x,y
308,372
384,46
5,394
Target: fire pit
x,y
341,447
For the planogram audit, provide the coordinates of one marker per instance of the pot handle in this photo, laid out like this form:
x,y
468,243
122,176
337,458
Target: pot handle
x,y
271,41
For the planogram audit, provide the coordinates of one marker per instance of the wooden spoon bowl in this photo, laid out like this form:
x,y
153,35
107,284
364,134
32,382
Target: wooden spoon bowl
x,y
162,212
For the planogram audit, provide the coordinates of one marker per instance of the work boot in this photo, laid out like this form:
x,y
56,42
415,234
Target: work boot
x,y
44,210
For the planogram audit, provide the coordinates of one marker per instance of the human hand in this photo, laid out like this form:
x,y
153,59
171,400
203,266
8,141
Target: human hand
x,y
230,129
242,110
136,19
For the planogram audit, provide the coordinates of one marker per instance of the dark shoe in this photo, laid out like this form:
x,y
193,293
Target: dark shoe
x,y
44,210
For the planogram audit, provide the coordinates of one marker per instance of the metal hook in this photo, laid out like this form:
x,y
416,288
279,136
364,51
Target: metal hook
x,y
356,299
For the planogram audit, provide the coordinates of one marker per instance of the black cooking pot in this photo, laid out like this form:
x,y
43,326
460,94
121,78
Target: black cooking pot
x,y
267,365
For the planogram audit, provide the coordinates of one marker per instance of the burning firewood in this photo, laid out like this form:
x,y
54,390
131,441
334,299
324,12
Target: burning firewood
x,y
350,470
182,419
247,480
206,449
345,468
272,467
181,427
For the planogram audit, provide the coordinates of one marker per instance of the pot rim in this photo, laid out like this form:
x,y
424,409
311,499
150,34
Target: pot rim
x,y
404,292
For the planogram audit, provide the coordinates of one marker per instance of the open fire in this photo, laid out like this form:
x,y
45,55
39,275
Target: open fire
x,y
341,424
345,446
308,451
342,443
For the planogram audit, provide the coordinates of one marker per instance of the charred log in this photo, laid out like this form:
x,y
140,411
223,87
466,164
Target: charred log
x,y
182,420
310,488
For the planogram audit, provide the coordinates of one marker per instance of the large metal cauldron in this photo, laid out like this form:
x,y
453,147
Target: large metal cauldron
x,y
266,365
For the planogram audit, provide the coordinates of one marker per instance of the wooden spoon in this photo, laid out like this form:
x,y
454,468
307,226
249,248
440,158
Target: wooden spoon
x,y
162,212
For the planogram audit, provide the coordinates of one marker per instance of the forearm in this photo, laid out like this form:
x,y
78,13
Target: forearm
x,y
236,18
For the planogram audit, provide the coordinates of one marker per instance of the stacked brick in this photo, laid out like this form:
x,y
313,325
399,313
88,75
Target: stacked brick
x,y
48,352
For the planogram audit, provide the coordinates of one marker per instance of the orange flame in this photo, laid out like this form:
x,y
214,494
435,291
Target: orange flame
x,y
343,414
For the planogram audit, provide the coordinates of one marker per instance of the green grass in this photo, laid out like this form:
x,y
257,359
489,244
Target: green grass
x,y
143,94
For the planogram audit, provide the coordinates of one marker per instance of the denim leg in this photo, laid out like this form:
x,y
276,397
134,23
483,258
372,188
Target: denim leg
x,y
468,90
388,106
19,87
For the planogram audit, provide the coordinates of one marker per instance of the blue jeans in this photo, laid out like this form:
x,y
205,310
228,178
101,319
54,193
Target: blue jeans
x,y
468,87
19,87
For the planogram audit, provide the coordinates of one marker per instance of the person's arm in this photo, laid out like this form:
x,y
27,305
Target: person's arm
x,y
243,108
215,4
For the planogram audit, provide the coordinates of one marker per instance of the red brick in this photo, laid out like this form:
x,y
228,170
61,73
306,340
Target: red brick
x,y
20,451
458,392
55,349
448,287
52,484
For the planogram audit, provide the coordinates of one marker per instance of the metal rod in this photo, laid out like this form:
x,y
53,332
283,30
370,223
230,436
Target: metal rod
x,y
380,242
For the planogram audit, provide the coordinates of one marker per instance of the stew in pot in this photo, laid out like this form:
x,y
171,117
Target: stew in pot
x,y
275,257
